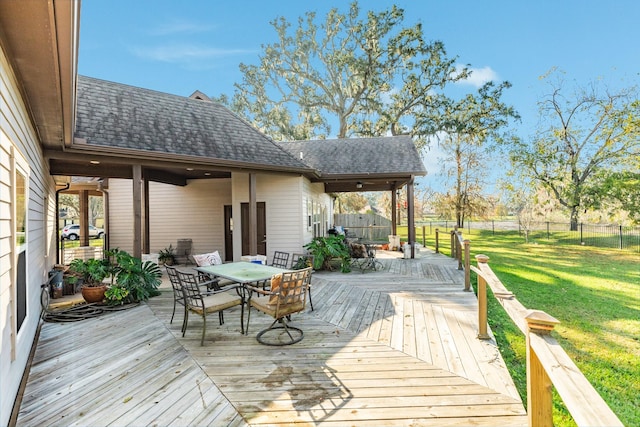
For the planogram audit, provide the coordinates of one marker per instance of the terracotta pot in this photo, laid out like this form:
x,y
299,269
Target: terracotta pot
x,y
93,294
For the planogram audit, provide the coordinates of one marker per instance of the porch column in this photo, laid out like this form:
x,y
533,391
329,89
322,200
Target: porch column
x,y
411,226
394,208
103,188
137,211
83,196
145,230
253,216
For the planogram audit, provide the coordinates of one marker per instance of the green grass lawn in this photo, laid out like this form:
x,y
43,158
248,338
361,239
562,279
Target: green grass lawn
x,y
594,292
68,244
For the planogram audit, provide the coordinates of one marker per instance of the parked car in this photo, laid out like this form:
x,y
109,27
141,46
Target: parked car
x,y
72,232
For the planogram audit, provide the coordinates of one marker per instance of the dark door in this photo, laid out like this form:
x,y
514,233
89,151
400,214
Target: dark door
x,y
262,228
228,233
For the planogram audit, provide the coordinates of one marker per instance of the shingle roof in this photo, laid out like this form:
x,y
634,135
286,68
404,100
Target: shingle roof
x,y
117,115
359,156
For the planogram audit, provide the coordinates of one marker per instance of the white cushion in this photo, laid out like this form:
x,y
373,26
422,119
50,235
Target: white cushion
x,y
212,258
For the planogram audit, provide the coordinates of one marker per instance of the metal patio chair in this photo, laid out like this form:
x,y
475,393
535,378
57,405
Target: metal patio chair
x,y
178,295
280,259
209,302
183,251
300,261
288,295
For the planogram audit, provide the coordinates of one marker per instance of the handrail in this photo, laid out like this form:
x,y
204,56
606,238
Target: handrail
x,y
547,362
461,250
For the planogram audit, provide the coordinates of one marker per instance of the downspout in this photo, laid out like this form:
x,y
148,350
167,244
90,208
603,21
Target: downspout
x,y
57,221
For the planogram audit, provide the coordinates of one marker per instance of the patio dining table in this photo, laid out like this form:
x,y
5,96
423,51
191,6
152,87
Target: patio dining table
x,y
242,272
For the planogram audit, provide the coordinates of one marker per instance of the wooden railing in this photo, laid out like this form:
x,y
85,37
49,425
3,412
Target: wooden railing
x,y
460,250
548,365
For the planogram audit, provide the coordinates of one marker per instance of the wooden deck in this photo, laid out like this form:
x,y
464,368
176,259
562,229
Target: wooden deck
x,y
388,348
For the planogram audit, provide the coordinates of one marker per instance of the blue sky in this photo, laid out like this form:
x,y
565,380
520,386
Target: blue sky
x,y
182,46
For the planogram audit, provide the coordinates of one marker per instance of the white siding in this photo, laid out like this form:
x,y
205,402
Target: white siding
x,y
285,198
18,136
195,211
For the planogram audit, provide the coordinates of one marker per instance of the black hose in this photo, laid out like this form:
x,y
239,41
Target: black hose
x,y
82,312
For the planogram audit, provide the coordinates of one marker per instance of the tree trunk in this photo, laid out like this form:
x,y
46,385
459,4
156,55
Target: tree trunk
x,y
574,218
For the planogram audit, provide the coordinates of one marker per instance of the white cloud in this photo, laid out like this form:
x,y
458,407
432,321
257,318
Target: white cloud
x,y
184,52
479,76
180,27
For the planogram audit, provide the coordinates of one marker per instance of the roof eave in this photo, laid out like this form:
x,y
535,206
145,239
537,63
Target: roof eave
x,y
44,61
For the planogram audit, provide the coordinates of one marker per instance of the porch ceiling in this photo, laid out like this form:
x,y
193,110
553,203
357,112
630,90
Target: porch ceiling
x,y
366,183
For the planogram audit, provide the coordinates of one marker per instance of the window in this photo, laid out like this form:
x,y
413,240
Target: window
x,y
20,215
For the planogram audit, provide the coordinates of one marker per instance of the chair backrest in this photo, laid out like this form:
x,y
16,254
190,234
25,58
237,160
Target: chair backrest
x,y
280,259
291,291
174,279
191,289
300,261
183,250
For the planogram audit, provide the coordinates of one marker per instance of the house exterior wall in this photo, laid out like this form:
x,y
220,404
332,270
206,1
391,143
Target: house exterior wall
x,y
195,211
20,150
288,199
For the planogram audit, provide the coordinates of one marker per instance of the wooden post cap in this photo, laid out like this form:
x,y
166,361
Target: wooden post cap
x,y
540,322
482,258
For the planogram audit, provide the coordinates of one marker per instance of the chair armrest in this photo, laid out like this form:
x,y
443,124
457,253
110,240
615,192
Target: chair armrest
x,y
260,291
210,284
219,290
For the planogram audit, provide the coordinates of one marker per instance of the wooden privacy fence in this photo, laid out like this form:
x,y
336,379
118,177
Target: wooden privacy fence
x,y
548,365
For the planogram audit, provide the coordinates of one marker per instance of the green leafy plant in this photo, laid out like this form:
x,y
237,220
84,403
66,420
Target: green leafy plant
x,y
91,271
324,249
141,279
117,295
167,255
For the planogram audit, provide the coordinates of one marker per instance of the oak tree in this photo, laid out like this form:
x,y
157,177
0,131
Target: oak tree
x,y
581,136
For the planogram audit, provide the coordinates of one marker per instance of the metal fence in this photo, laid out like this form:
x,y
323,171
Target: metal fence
x,y
597,235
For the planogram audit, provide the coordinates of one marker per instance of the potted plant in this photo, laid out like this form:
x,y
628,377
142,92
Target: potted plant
x,y
92,272
167,256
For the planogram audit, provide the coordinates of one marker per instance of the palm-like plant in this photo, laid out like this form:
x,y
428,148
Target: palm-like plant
x,y
324,249
141,279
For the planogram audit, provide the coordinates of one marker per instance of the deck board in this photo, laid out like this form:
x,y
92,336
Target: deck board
x,y
389,348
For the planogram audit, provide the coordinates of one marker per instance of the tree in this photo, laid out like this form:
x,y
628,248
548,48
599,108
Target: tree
x,y
620,189
582,135
350,202
370,76
470,123
71,204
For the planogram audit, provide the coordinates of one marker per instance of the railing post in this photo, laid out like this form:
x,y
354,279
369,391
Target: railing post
x,y
437,241
482,301
458,236
453,244
539,386
467,265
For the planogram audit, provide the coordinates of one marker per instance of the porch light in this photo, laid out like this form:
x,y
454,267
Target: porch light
x,y
94,162
189,169
358,184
